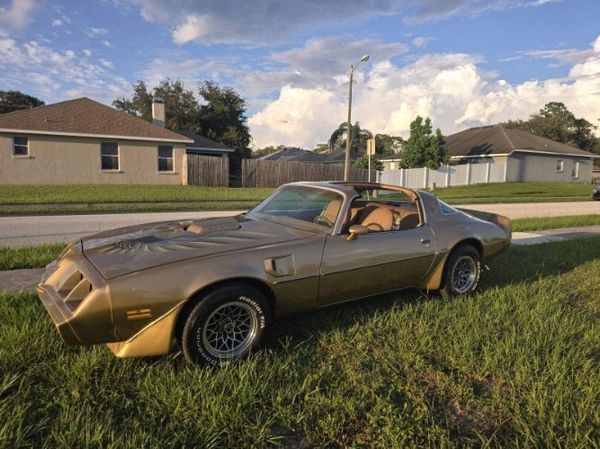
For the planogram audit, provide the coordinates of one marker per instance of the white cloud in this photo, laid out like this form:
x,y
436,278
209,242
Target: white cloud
x,y
421,41
57,23
452,89
319,63
55,75
97,32
106,63
190,71
193,28
19,13
268,21
87,52
107,44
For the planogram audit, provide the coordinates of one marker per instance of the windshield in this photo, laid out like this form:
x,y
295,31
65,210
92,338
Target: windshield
x,y
301,206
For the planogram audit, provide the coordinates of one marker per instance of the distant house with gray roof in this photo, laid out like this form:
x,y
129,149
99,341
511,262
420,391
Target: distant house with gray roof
x,y
527,157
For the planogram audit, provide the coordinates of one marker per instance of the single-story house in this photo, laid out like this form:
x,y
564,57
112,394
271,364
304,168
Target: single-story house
x,y
293,154
205,147
337,156
526,157
391,161
84,142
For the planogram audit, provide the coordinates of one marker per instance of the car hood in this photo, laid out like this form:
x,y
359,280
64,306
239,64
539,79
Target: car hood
x,y
127,250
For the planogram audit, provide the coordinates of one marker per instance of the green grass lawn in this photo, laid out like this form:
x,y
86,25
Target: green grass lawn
x,y
570,221
515,193
514,365
82,194
85,199
29,256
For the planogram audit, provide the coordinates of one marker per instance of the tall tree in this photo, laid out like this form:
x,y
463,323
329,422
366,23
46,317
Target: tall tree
x,y
223,118
363,162
181,107
13,100
386,144
359,137
556,122
424,148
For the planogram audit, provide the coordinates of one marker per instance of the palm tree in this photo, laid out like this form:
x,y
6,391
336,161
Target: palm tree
x,y
359,137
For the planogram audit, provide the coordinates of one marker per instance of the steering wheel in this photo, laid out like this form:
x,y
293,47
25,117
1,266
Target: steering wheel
x,y
322,219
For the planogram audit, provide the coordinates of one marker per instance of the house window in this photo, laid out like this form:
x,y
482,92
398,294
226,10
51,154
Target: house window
x,y
20,146
165,158
575,170
392,166
560,166
109,155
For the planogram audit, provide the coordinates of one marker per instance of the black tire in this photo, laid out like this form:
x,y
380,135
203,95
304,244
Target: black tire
x,y
461,272
222,317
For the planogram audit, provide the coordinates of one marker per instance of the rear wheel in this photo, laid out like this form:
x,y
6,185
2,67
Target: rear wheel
x,y
226,324
462,270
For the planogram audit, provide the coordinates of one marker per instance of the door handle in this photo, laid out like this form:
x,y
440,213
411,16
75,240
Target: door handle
x,y
425,241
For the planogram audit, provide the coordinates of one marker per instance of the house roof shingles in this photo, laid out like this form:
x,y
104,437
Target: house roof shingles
x,y
201,142
497,139
83,117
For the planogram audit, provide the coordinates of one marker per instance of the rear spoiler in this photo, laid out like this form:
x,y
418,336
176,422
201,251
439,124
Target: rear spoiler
x,y
500,220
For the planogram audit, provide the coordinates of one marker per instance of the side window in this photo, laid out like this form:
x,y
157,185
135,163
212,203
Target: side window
x,y
20,146
165,158
560,166
109,155
575,170
384,210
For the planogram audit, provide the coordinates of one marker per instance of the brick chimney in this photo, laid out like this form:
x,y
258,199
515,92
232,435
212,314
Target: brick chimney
x,y
158,112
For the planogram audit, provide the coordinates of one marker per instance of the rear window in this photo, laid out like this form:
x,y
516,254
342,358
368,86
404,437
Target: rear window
x,y
446,209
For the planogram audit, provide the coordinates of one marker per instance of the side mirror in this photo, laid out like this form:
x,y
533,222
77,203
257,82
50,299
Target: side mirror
x,y
356,230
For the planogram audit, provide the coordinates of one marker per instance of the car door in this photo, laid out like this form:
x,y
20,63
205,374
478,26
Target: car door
x,y
374,263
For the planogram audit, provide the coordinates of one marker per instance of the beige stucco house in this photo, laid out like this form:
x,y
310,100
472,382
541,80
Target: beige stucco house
x,y
84,142
524,156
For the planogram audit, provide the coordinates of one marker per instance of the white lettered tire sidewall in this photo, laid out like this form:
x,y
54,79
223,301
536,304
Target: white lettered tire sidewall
x,y
192,342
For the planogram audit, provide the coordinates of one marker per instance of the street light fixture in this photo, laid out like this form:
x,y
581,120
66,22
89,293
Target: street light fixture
x,y
353,67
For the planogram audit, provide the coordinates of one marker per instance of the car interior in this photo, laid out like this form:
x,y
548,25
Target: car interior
x,y
381,216
376,212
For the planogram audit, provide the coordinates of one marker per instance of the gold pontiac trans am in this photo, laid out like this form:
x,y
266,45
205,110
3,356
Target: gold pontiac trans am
x,y
216,284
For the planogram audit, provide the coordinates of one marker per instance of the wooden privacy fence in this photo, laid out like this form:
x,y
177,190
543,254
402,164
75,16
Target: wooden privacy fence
x,y
208,170
260,173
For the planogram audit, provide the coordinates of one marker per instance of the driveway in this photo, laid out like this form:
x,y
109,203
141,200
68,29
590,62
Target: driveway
x,y
35,230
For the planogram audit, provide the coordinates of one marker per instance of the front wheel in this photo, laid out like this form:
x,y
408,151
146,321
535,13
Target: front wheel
x,y
461,273
226,324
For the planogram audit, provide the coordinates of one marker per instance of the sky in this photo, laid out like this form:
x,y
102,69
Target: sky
x,y
463,63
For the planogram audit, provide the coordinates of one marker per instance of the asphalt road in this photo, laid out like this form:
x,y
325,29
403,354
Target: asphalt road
x,y
35,230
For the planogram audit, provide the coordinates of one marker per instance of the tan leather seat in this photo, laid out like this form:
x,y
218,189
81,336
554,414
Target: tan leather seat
x,y
376,218
409,221
332,209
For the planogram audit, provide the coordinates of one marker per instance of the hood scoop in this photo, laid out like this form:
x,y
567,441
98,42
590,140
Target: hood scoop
x,y
213,225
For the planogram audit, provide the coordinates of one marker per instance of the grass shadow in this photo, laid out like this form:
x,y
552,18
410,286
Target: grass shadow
x,y
518,264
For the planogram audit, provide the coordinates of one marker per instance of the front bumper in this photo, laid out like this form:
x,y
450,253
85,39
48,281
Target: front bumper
x,y
77,299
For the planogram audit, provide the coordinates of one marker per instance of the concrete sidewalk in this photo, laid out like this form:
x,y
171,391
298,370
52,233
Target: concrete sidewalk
x,y
15,280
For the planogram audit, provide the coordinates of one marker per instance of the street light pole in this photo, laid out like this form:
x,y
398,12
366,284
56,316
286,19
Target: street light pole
x,y
349,124
349,129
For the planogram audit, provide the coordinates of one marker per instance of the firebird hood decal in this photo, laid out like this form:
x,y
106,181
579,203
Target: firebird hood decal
x,y
126,250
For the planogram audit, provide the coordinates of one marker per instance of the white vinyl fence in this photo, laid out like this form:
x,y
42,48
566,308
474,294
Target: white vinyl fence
x,y
445,176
